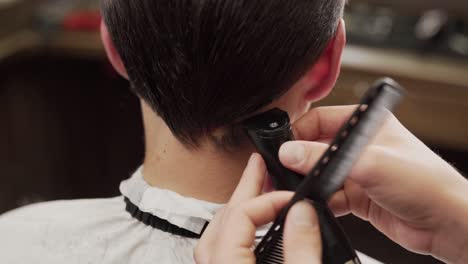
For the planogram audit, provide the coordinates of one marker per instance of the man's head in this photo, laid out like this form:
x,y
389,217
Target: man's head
x,y
202,65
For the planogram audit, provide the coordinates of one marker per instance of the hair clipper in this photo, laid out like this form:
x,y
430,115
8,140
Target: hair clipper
x,y
268,132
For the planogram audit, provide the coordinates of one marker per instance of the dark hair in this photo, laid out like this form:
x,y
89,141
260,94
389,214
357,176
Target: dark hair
x,y
203,64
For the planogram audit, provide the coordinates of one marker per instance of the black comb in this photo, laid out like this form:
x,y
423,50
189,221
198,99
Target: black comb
x,y
329,174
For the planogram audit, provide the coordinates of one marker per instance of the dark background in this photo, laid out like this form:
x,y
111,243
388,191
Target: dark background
x,y
71,129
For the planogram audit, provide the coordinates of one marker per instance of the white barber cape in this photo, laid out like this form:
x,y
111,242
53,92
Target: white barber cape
x,y
101,231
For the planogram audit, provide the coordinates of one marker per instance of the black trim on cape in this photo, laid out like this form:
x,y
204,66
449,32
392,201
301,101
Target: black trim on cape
x,y
159,223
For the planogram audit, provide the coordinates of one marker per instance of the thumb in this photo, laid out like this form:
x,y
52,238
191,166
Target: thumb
x,y
302,240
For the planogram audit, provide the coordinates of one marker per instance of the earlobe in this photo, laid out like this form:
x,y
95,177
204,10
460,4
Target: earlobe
x,y
325,72
111,51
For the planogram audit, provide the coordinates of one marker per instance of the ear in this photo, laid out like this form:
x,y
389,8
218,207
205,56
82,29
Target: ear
x,y
111,51
323,75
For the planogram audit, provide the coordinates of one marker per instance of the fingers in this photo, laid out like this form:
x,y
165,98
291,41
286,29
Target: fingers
x,y
265,208
242,221
322,122
352,198
252,180
202,252
302,240
339,204
234,237
301,156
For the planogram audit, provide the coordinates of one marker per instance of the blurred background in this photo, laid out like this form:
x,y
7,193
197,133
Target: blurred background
x,y
71,129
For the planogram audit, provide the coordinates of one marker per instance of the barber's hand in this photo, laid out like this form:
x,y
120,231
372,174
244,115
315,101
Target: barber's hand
x,y
399,185
230,236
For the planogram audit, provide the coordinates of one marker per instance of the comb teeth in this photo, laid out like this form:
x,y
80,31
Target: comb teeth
x,y
271,252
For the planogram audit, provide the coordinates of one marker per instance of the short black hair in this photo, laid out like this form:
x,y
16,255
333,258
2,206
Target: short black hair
x,y
203,64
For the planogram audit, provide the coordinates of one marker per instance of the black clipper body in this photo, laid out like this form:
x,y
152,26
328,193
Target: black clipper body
x,y
268,131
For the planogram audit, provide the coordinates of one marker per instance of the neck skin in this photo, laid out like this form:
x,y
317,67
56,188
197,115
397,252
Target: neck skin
x,y
204,173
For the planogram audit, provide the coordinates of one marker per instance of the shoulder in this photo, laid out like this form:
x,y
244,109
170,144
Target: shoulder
x,y
86,231
60,229
60,211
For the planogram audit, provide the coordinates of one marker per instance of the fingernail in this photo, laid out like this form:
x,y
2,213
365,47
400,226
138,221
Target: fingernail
x,y
292,153
303,214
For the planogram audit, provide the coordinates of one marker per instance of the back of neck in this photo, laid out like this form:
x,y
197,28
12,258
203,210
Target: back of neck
x,y
205,173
